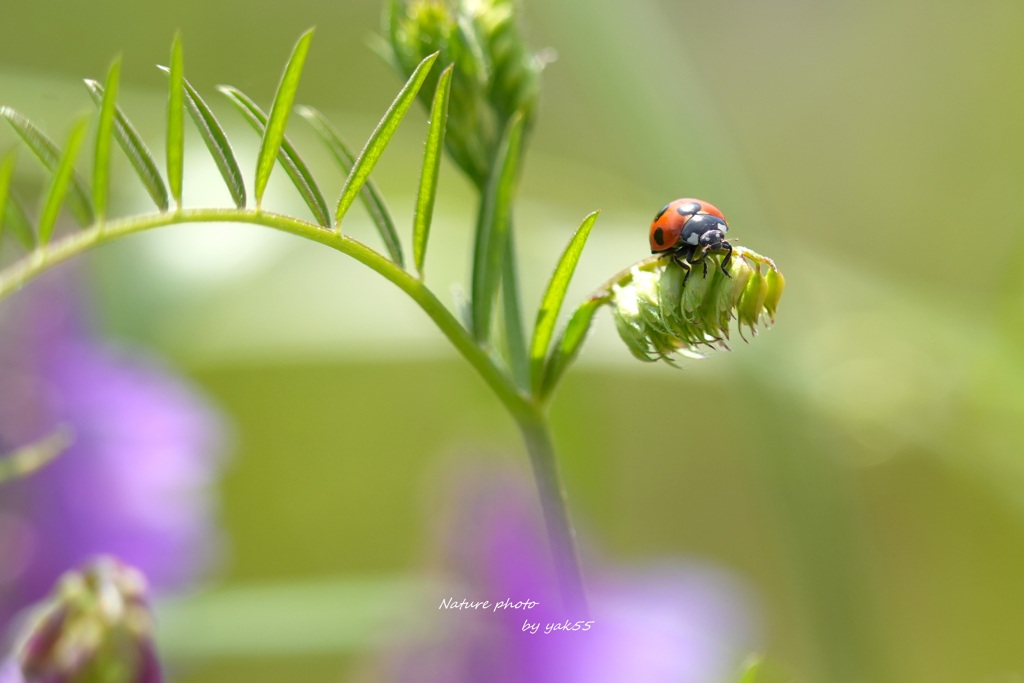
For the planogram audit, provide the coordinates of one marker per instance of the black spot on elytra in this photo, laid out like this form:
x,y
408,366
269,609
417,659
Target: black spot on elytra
x,y
659,237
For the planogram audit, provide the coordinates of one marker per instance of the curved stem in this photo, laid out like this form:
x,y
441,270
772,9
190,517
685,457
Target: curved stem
x,y
42,259
525,409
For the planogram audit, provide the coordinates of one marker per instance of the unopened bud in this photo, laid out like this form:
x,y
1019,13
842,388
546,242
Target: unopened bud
x,y
495,76
95,628
776,283
751,301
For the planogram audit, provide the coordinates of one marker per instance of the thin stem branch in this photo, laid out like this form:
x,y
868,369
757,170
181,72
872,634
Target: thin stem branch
x,y
604,292
554,505
34,456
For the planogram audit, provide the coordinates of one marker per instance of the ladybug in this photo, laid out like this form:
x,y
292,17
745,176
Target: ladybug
x,y
689,229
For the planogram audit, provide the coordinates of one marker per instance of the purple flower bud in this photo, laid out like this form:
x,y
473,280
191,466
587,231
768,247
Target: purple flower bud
x,y
95,627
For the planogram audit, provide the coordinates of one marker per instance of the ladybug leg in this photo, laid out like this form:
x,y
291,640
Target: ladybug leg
x,y
702,258
685,265
727,259
682,257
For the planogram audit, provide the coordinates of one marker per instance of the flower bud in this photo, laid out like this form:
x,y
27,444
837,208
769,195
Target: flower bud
x,y
515,71
776,283
495,74
96,627
752,300
663,310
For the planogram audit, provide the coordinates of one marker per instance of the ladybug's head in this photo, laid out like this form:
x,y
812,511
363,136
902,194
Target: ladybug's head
x,y
680,225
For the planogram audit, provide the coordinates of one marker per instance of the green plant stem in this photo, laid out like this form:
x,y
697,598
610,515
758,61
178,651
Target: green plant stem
x,y
527,412
554,505
15,276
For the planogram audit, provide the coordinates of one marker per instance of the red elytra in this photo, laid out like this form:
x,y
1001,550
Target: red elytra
x,y
667,227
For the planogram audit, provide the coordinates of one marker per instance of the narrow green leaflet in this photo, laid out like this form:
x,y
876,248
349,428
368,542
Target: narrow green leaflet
x,y
431,167
26,460
6,173
216,141
62,179
371,196
512,317
380,138
135,149
176,121
563,355
273,132
551,304
17,220
49,154
393,44
293,164
104,136
492,228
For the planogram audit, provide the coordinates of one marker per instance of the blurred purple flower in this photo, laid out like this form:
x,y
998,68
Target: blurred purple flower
x,y
670,623
134,483
10,672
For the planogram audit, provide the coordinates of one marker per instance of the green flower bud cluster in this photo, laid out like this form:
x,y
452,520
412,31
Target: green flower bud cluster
x,y
662,310
495,76
96,628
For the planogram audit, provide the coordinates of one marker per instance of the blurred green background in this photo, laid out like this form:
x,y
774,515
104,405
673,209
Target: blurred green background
x,y
859,467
